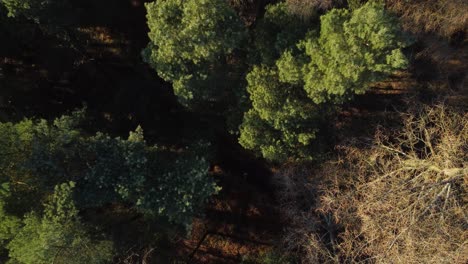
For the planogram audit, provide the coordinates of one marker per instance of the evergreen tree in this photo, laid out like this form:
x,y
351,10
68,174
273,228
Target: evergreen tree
x,y
37,155
9,224
353,50
190,44
57,236
291,98
282,122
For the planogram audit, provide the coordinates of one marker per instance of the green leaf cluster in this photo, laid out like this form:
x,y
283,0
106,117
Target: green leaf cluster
x,y
37,155
52,171
57,235
291,96
352,50
16,7
9,224
190,44
158,181
281,121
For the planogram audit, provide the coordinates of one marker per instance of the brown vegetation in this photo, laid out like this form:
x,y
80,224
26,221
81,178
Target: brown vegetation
x,y
444,17
399,198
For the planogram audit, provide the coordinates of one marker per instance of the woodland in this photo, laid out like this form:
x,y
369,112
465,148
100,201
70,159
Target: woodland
x,y
233,131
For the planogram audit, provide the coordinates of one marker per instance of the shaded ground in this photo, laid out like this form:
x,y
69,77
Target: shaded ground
x,y
99,64
242,219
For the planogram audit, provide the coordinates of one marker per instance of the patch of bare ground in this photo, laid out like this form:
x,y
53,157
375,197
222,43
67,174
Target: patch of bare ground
x,y
241,220
436,59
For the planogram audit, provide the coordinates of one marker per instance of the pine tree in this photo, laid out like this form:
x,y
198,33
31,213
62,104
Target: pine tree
x,y
57,236
292,96
190,44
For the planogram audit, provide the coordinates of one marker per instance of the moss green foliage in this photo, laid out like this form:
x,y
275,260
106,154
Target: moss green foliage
x,y
281,121
37,155
9,224
351,50
57,236
158,181
190,42
16,7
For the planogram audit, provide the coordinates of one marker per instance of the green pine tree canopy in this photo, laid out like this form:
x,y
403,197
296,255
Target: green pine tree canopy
x,y
298,68
57,236
52,171
350,51
157,181
190,44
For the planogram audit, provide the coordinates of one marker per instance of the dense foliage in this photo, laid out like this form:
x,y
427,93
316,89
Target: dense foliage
x,y
351,51
57,235
38,155
190,44
282,122
276,32
297,66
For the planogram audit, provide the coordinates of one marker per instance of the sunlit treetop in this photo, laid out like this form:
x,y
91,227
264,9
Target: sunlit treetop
x,y
190,39
351,51
328,65
57,235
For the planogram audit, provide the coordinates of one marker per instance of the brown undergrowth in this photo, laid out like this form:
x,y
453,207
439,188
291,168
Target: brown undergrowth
x,y
400,197
444,17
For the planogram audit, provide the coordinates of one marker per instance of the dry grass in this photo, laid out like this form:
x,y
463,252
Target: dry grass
x,y
445,17
399,198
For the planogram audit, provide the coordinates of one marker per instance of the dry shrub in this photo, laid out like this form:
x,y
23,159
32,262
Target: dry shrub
x,y
401,199
314,227
445,17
